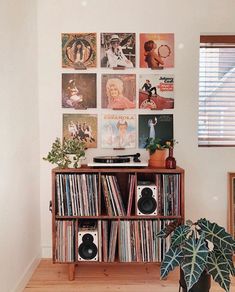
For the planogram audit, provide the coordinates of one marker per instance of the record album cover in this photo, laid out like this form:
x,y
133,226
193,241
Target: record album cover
x,y
118,131
155,126
81,126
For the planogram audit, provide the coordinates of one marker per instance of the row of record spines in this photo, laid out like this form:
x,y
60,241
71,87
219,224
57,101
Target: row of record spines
x,y
65,241
77,194
112,196
140,241
168,193
124,241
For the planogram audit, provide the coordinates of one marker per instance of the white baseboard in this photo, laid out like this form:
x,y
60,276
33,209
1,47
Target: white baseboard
x,y
46,252
27,274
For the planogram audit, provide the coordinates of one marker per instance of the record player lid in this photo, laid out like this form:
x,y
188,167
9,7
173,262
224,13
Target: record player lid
x,y
111,159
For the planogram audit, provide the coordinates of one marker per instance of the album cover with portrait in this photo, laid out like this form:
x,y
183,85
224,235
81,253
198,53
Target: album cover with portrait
x,y
82,127
118,91
79,90
155,126
117,50
79,50
118,131
156,50
156,91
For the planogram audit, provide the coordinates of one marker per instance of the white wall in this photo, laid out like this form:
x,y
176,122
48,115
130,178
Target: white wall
x,y
206,168
19,144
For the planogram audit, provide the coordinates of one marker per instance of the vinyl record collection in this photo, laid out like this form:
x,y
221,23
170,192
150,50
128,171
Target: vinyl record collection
x,y
112,195
138,242
168,186
123,241
65,241
76,195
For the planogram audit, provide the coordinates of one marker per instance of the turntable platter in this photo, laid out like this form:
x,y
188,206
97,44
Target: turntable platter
x,y
111,159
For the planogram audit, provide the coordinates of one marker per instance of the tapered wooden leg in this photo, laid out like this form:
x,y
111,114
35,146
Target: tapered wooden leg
x,y
71,272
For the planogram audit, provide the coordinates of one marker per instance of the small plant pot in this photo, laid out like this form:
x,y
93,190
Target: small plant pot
x,y
71,158
157,159
203,284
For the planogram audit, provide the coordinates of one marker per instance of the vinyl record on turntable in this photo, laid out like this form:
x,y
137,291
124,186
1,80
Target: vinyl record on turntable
x,y
111,159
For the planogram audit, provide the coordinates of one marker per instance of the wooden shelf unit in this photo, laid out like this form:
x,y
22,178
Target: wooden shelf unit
x,y
231,203
145,174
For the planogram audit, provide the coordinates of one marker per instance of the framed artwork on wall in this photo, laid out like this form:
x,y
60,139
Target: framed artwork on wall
x,y
156,50
79,50
118,131
81,126
117,50
118,91
155,126
79,90
156,91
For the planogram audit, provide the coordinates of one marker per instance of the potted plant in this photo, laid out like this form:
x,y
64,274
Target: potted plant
x,y
157,151
67,153
199,248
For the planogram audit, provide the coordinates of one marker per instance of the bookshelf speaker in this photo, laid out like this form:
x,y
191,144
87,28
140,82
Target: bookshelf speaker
x,y
146,203
87,245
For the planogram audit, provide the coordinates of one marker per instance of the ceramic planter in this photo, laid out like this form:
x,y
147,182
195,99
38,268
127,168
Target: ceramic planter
x,y
157,159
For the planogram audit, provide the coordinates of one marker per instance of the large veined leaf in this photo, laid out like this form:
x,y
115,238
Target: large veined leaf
x,y
195,254
218,268
227,255
180,235
172,259
168,229
216,234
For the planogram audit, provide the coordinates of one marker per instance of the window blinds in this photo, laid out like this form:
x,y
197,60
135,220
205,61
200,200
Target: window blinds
x,y
216,123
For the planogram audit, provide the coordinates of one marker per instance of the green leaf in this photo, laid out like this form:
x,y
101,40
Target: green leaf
x,y
216,234
227,255
172,259
217,266
168,229
195,254
180,235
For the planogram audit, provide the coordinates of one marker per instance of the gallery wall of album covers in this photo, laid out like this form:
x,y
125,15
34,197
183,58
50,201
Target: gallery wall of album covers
x,y
117,89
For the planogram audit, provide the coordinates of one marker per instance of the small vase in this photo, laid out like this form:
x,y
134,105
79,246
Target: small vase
x,y
170,160
157,159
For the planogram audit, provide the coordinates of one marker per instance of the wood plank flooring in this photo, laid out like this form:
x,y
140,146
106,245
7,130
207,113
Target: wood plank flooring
x,y
50,277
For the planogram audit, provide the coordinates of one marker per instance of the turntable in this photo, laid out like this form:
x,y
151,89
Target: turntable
x,y
118,161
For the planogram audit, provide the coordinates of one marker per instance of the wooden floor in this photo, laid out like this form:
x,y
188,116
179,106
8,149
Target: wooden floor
x,y
105,277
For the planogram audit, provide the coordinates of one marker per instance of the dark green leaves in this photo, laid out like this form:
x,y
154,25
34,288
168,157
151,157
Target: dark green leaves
x,y
216,234
195,255
171,260
218,268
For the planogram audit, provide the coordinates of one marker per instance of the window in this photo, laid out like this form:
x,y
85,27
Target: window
x,y
216,122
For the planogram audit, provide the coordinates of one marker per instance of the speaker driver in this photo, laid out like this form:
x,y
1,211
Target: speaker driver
x,y
147,192
87,250
147,205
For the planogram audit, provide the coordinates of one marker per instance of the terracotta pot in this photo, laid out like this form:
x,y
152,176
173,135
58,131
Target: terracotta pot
x,y
157,159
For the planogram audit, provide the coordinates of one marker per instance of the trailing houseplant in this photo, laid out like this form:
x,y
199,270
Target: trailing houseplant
x,y
197,247
153,144
60,153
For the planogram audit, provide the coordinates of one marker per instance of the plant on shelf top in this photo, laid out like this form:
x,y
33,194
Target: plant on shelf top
x,y
199,246
153,144
60,152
